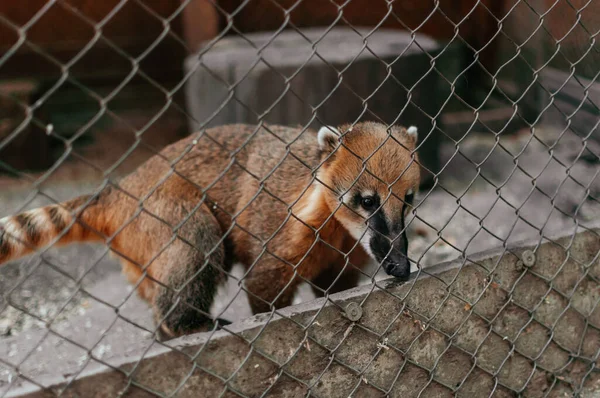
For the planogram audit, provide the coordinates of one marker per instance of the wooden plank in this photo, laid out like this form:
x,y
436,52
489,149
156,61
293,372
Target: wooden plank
x,y
31,148
164,63
59,29
573,23
571,88
569,105
63,34
496,120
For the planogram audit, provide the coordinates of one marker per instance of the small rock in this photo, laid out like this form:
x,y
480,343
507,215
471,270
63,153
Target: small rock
x,y
5,327
7,375
13,350
101,350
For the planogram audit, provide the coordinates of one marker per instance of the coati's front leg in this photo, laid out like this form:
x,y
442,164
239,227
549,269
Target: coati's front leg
x,y
271,282
343,273
277,285
335,279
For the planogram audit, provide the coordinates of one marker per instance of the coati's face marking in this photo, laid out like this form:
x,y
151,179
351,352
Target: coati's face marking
x,y
372,179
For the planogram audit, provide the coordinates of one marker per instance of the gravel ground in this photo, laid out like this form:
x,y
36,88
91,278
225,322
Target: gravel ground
x,y
485,197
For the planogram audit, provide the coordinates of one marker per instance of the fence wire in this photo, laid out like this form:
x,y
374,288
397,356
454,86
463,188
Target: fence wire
x,y
209,227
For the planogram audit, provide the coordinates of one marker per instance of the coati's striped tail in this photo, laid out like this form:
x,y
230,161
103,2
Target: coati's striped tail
x,y
24,233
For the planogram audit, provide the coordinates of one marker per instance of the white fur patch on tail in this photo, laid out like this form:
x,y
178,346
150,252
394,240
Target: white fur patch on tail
x,y
18,236
40,219
13,234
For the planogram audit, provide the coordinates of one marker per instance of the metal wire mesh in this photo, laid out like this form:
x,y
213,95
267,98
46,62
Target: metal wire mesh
x,y
518,321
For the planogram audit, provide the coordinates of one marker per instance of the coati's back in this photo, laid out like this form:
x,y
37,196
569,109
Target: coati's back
x,y
229,162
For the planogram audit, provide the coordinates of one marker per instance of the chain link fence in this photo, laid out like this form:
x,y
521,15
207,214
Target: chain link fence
x,y
248,235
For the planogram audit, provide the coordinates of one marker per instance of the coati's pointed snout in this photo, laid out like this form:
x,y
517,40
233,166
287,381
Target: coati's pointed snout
x,y
392,257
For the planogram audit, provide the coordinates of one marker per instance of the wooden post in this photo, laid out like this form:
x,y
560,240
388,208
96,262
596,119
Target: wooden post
x,y
200,23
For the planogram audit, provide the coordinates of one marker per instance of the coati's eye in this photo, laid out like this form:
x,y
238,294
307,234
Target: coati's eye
x,y
368,203
409,197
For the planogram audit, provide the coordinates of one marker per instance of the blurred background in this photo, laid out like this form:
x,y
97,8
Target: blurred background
x,y
503,92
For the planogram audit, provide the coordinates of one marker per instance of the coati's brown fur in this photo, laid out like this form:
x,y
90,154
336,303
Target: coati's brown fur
x,y
239,193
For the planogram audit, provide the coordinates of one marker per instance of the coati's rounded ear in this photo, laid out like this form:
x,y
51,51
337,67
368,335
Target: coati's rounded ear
x,y
328,138
412,133
406,136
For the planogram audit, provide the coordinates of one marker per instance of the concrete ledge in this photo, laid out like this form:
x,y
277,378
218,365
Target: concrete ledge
x,y
492,323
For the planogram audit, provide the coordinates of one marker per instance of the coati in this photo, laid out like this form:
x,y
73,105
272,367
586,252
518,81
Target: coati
x,y
288,204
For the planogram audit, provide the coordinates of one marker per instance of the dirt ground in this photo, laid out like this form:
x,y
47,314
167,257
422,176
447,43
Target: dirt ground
x,y
490,193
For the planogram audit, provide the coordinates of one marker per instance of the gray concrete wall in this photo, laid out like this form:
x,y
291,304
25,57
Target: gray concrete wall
x,y
520,320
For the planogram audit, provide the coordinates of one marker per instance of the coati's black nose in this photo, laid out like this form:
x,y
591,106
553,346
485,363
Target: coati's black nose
x,y
394,259
398,267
